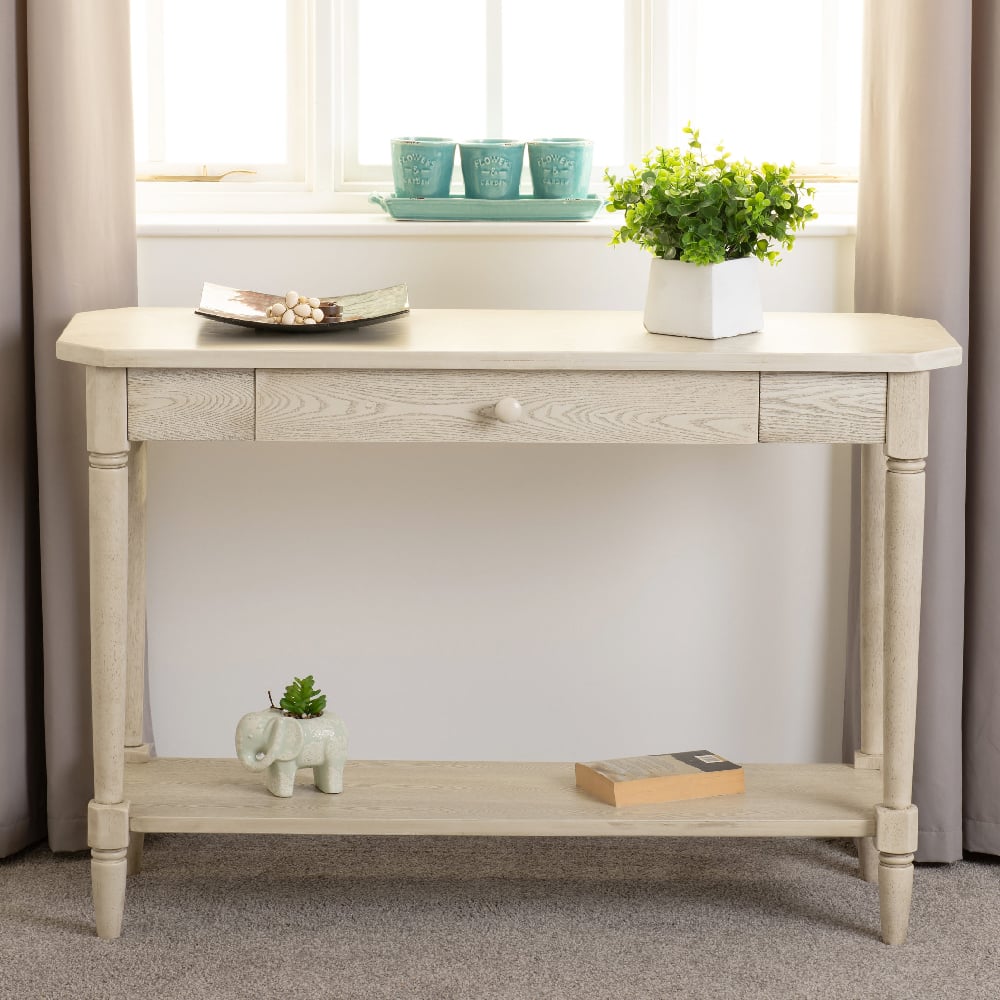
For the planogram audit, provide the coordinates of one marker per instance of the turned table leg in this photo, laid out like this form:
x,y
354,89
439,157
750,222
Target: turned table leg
x,y
108,833
867,858
896,818
872,603
136,750
133,857
872,611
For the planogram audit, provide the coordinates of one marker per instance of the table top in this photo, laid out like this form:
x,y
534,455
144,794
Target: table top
x,y
154,337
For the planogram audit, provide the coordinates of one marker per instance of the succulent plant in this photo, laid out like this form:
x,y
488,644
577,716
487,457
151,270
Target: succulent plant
x,y
302,699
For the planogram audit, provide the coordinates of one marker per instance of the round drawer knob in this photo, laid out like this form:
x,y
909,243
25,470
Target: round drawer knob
x,y
508,410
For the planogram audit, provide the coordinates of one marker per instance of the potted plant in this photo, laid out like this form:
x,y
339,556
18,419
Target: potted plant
x,y
707,221
297,732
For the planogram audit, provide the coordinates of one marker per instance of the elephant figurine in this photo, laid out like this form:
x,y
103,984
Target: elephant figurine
x,y
280,744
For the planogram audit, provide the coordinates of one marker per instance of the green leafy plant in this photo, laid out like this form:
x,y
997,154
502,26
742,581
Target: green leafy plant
x,y
301,699
680,205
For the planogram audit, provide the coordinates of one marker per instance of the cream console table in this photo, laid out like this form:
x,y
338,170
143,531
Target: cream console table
x,y
531,378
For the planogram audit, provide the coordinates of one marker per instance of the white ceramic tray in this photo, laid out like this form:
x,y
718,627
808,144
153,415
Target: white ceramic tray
x,y
459,209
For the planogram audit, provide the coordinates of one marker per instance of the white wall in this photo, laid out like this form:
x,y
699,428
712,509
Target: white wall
x,y
477,601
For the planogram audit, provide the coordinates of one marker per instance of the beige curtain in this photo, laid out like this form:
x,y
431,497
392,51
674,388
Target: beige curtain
x,y
67,244
930,148
981,732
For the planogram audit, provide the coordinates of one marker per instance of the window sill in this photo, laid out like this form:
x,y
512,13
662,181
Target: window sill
x,y
174,224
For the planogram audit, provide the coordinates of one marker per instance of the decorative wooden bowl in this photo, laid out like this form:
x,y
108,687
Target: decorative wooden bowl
x,y
247,308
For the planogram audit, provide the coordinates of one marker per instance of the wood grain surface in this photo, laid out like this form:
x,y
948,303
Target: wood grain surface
x,y
107,443
872,603
585,407
190,405
492,798
559,376
908,406
136,652
503,339
822,408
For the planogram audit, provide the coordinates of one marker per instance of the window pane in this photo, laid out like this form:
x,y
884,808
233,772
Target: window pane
x,y
140,78
564,72
757,77
225,81
421,71
850,26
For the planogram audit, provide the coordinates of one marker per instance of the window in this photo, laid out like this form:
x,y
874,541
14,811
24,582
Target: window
x,y
201,105
520,69
304,95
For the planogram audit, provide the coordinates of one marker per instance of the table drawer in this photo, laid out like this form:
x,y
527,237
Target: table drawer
x,y
554,406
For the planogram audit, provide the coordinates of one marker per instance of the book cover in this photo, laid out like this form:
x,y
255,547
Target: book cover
x,y
666,777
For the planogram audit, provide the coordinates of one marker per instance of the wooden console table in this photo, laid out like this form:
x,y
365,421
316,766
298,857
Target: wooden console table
x,y
528,377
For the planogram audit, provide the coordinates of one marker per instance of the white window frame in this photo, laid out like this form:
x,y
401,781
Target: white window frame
x,y
296,185
352,175
298,31
328,177
666,30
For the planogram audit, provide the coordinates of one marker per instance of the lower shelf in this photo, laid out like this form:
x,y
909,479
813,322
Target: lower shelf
x,y
473,798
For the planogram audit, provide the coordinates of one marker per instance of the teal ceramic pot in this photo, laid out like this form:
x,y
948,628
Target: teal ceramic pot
x,y
422,166
560,168
491,167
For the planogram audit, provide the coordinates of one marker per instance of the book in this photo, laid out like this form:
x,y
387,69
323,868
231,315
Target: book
x,y
665,777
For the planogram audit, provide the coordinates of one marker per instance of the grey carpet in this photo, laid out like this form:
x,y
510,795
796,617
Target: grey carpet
x,y
412,918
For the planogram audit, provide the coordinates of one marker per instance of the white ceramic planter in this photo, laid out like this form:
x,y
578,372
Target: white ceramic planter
x,y
278,744
704,300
